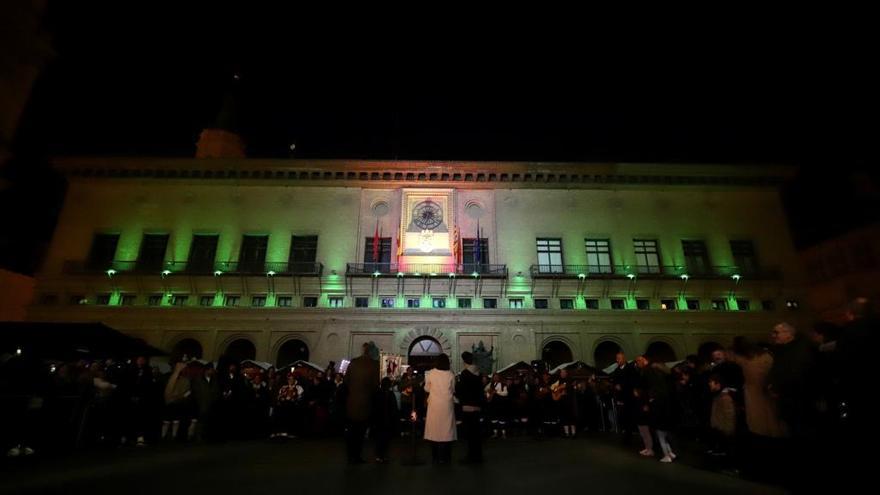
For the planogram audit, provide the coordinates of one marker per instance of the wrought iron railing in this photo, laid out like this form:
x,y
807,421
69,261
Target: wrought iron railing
x,y
419,269
196,268
649,271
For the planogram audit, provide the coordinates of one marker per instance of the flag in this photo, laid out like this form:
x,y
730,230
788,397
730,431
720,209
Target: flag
x,y
456,245
477,246
376,244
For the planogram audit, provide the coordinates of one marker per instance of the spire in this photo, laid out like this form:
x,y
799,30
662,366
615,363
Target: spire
x,y
221,139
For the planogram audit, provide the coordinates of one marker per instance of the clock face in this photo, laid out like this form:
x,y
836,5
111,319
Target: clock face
x,y
427,215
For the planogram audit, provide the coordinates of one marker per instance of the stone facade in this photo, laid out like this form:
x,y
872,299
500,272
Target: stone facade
x,y
344,203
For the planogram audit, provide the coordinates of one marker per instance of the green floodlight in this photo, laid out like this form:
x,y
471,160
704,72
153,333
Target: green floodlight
x,y
685,276
111,272
270,273
165,273
582,276
217,273
630,276
736,276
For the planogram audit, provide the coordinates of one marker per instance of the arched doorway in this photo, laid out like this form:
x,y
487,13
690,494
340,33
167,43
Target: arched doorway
x,y
423,352
556,353
605,354
240,349
185,348
290,351
660,351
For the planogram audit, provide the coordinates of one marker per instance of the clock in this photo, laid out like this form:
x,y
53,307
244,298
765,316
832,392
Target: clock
x,y
427,215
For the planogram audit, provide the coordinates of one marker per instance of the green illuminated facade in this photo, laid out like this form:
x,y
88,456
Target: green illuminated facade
x,y
591,256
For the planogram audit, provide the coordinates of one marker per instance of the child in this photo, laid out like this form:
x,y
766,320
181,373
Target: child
x,y
723,419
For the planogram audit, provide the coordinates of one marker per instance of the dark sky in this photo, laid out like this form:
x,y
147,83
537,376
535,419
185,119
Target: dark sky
x,y
139,82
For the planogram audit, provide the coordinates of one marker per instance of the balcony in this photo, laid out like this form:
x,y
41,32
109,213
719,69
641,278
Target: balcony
x,y
425,270
171,268
651,272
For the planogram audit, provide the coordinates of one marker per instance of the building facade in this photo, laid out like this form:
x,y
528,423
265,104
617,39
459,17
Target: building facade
x,y
841,269
284,259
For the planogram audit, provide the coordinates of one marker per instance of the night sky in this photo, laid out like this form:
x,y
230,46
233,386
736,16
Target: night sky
x,y
146,85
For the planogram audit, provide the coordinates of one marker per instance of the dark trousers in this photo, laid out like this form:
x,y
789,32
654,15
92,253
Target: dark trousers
x,y
441,452
382,439
354,439
473,435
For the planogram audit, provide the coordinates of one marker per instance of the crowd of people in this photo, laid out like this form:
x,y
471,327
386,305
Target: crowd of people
x,y
796,393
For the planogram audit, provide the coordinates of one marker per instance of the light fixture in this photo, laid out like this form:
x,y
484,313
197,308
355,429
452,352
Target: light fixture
x,y
582,276
685,276
630,276
165,273
400,274
270,273
217,273
475,274
736,276
377,273
332,272
111,272
433,274
18,351
452,274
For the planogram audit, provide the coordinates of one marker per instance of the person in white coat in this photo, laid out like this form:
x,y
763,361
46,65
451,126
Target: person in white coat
x,y
440,418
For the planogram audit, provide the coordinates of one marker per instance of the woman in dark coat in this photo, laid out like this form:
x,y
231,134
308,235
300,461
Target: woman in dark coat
x,y
660,408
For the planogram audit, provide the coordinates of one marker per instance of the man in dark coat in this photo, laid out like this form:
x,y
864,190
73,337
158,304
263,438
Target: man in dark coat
x,y
361,382
624,378
470,395
790,378
207,395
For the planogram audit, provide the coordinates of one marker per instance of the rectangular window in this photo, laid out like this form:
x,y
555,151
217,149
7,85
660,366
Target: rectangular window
x,y
643,304
618,304
667,304
438,302
490,303
202,253
768,305
382,263
102,299
310,302
464,303
549,255
362,302
591,303
743,304
413,302
336,302
103,251
154,300
744,257
516,304
693,304
542,303
179,300
284,301
152,253
719,304
128,300
303,253
598,255
231,301
252,257
647,255
472,258
566,304
206,301
696,257
387,302
258,301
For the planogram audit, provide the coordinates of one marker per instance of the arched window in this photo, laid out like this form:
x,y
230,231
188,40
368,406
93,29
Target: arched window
x,y
240,349
186,348
605,354
292,351
660,351
556,353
